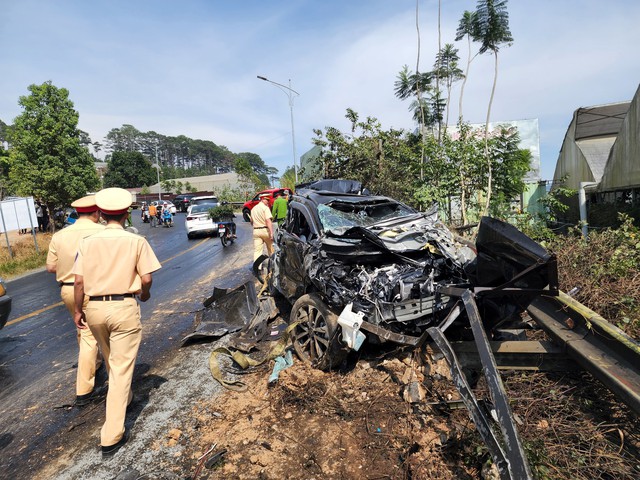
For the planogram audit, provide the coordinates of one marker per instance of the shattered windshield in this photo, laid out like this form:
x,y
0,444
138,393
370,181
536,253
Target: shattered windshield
x,y
337,217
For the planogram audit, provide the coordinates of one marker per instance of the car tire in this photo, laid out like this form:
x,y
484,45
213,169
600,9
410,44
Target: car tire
x,y
189,236
246,214
316,338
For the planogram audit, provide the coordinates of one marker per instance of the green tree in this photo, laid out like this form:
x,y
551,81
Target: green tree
x,y
466,28
416,86
288,179
492,31
447,70
384,161
46,158
249,180
129,169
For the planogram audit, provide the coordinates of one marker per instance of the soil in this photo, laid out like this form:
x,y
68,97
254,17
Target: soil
x,y
397,417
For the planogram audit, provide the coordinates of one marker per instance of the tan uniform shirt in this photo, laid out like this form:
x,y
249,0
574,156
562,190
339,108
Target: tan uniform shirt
x,y
259,215
64,247
113,260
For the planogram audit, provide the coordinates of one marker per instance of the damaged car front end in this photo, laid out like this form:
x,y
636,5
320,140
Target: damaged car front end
x,y
359,266
364,263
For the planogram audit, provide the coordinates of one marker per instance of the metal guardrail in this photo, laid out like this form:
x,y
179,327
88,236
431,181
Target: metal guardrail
x,y
595,344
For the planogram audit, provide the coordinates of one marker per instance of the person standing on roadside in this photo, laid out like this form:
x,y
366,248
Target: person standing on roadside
x,y
279,208
152,215
60,258
113,267
261,219
40,216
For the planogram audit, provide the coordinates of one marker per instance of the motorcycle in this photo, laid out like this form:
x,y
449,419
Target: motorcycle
x,y
227,232
146,218
167,218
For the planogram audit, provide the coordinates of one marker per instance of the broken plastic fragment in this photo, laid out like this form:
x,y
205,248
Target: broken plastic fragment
x,y
281,362
350,322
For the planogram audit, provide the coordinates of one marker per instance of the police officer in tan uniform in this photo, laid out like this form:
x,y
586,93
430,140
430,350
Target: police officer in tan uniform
x,y
60,258
261,219
112,268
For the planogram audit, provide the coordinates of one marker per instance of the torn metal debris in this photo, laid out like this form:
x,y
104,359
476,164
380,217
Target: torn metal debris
x,y
225,311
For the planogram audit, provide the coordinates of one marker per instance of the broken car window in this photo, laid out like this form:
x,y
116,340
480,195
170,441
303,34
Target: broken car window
x,y
338,217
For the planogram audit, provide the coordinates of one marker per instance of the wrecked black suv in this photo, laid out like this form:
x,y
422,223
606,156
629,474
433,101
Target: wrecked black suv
x,y
351,262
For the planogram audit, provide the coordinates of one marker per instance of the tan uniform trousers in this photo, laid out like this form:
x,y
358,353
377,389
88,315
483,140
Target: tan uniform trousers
x,y
260,238
89,359
116,326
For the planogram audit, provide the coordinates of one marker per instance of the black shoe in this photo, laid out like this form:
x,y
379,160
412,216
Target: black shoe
x,y
110,451
82,400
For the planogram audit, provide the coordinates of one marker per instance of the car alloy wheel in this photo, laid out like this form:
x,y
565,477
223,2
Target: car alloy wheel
x,y
316,338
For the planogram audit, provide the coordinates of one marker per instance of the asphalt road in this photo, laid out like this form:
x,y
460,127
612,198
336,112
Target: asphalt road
x,y
38,349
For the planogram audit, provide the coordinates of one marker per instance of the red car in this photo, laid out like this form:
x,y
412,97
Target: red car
x,y
249,204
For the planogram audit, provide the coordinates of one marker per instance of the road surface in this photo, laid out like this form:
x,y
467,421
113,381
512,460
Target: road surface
x,y
38,349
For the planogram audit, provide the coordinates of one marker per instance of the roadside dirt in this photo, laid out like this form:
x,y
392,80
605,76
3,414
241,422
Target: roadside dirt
x,y
358,423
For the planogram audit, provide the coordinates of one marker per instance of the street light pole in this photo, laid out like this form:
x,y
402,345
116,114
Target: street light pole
x,y
289,92
157,167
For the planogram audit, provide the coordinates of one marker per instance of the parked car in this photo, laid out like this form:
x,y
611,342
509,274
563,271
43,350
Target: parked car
x,y
198,221
5,304
210,200
182,201
248,205
351,262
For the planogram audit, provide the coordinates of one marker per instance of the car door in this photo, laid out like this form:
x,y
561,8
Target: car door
x,y
294,234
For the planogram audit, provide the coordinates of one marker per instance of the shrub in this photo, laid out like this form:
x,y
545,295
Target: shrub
x,y
221,212
606,270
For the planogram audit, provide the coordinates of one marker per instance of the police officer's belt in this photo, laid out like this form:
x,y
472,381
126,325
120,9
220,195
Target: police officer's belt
x,y
108,298
63,284
256,228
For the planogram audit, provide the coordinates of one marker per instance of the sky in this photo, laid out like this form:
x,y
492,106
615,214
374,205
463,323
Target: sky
x,y
190,67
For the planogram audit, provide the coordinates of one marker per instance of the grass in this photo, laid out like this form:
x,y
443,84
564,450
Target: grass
x,y
25,257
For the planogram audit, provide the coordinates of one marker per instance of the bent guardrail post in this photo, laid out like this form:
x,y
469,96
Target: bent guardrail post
x,y
517,460
482,423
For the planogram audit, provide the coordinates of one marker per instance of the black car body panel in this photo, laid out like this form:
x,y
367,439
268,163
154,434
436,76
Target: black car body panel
x,y
5,305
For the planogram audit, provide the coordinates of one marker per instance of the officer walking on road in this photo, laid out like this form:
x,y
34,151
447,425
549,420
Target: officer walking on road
x,y
262,227
112,267
62,253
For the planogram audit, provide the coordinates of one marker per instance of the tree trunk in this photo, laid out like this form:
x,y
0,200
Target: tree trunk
x,y
466,75
486,135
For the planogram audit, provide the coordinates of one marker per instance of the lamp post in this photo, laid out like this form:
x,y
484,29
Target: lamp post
x,y
157,167
289,92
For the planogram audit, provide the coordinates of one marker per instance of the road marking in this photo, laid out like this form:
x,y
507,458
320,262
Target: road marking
x,y
38,312
33,314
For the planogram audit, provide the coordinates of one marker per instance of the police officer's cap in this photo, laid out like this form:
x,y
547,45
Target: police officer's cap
x,y
85,204
264,195
114,201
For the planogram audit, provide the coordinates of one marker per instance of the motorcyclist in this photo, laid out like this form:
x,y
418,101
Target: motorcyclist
x,y
167,218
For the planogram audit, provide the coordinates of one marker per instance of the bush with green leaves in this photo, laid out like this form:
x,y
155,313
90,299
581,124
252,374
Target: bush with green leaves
x,y
221,213
606,268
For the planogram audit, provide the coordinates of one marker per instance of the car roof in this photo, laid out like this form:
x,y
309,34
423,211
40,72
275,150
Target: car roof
x,y
205,197
324,197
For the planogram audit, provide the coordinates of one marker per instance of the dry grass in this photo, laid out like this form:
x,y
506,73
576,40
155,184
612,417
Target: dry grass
x,y
25,257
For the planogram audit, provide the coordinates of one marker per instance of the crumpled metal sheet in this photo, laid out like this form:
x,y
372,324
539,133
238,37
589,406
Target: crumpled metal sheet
x,y
226,311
